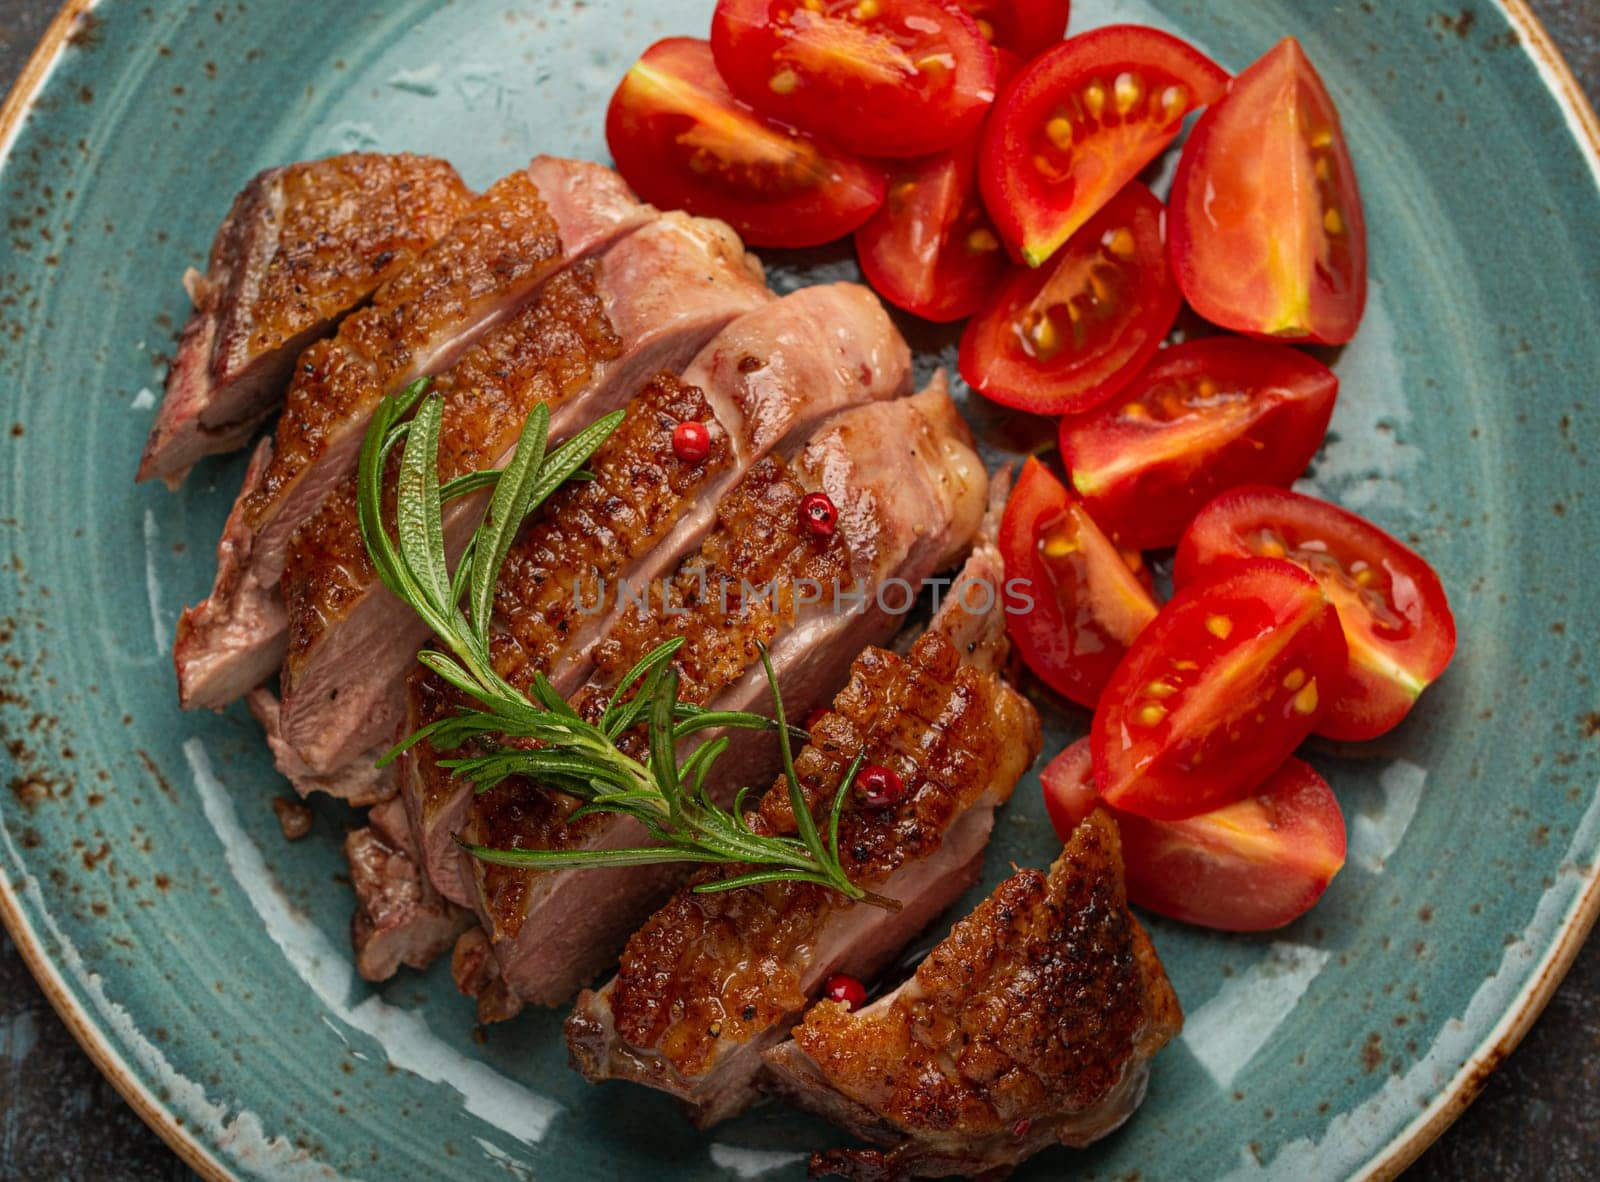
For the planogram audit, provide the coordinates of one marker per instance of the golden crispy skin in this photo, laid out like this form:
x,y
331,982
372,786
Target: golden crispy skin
x,y
345,224
505,239
759,538
708,970
547,351
585,533
1030,1024
301,246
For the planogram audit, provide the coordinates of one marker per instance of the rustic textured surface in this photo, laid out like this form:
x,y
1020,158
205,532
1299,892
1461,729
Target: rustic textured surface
x,y
1536,1118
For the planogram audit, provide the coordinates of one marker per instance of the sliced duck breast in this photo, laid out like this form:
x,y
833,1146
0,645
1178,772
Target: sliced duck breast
x,y
713,980
585,345
909,494
302,245
772,375
494,259
1032,1024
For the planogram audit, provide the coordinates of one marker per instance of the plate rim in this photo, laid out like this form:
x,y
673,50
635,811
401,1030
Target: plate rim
x,y
1404,1148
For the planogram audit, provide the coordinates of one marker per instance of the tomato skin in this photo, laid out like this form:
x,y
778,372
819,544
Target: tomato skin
x,y
1218,690
1206,416
1045,120
1024,350
932,249
1088,605
913,78
684,142
1268,233
1024,27
1249,867
1397,624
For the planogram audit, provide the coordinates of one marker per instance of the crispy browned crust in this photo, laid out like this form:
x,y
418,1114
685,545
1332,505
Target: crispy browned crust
x,y
713,969
344,225
1025,1026
504,239
301,246
547,351
587,532
758,537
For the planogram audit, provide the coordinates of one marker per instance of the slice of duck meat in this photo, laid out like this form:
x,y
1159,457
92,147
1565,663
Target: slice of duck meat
x,y
770,377
909,493
1032,1024
712,980
399,917
492,261
592,336
302,245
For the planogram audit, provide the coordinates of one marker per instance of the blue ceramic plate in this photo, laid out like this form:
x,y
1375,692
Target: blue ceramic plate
x,y
204,962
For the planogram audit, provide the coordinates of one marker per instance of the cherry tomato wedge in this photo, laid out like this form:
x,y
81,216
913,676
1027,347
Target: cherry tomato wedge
x,y
1206,416
1217,691
1088,604
1268,236
1025,27
1079,123
1396,618
931,249
1065,337
1248,867
684,142
878,77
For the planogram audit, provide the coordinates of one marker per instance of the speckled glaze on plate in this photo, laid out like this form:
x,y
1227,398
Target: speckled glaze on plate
x,y
203,961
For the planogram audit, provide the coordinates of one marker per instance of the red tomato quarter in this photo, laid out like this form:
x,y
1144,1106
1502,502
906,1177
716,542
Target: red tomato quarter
x,y
1024,27
1065,337
1079,123
1206,416
931,249
879,77
1088,605
1268,237
1217,691
682,140
1249,867
1396,619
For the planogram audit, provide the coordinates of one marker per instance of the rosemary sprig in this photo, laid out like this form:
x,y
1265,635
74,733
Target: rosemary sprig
x,y
568,753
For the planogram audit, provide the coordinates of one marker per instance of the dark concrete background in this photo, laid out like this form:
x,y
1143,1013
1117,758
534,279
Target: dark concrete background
x,y
1538,1118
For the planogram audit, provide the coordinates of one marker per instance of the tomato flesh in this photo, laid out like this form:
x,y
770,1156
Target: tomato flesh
x,y
1066,337
878,77
1088,603
1025,27
1218,690
1251,866
1079,123
1392,606
1206,416
932,249
684,142
1268,234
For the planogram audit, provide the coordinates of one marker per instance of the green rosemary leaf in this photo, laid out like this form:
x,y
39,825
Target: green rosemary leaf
x,y
470,483
417,513
585,859
804,823
502,517
663,756
545,695
450,669
758,877
838,805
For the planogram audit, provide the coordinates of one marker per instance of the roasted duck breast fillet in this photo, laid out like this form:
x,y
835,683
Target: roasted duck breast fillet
x,y
712,980
1032,1024
493,260
764,382
909,492
583,347
302,245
